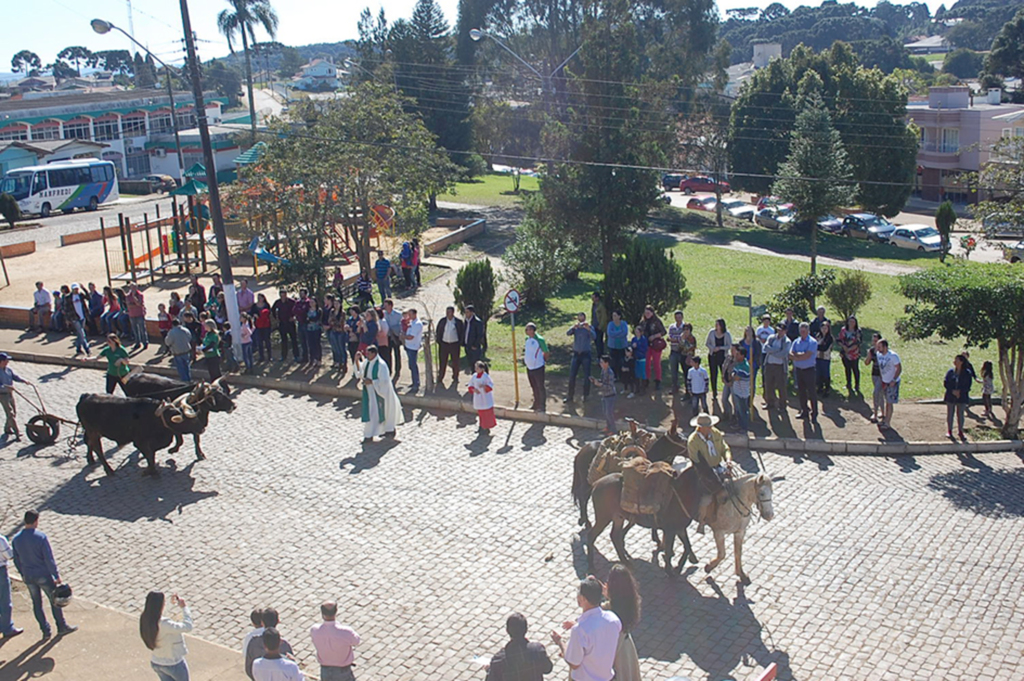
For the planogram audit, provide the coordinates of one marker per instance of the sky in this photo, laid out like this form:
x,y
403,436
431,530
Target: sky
x,y
47,26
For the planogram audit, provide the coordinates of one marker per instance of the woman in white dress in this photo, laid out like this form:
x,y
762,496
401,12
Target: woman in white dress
x,y
382,411
481,387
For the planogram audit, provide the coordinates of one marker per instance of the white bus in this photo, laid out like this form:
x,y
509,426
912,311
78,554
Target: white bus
x,y
64,186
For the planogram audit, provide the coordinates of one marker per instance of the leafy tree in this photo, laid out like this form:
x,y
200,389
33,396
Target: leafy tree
x,y
945,218
849,293
1007,55
774,11
703,141
26,61
801,294
963,63
500,130
145,72
475,285
291,62
1004,173
980,303
77,54
242,19
357,152
645,273
225,80
9,209
115,61
867,108
971,35
816,177
60,71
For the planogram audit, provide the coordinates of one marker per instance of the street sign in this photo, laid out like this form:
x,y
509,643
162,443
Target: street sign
x,y
512,301
741,301
758,311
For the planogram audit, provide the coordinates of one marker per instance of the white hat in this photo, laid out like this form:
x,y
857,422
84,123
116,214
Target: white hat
x,y
706,420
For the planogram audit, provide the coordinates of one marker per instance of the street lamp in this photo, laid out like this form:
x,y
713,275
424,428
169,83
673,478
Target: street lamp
x,y
103,27
478,34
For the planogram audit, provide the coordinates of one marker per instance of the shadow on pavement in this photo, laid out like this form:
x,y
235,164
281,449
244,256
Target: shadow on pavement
x,y
31,663
988,492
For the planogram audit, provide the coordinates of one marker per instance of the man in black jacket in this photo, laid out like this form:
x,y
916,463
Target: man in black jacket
x,y
473,338
519,660
449,334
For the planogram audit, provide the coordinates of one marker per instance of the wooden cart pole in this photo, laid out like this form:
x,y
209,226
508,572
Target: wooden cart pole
x,y
124,244
131,248
106,256
149,249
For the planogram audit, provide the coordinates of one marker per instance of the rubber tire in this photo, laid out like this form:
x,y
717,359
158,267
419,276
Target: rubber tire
x,y
688,191
94,204
43,429
44,210
921,249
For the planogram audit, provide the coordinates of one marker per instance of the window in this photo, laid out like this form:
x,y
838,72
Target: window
x,y
79,130
101,173
160,123
14,134
186,119
39,183
950,140
107,130
69,177
135,126
46,132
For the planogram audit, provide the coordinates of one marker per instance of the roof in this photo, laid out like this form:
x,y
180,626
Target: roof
x,y
252,155
930,41
47,147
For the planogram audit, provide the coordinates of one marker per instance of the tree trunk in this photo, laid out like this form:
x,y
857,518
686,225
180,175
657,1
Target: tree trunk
x,y
606,254
363,243
1011,371
248,82
814,246
718,204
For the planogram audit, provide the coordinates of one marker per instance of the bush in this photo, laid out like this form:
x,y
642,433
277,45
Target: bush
x,y
801,294
541,259
849,293
474,285
9,209
945,218
645,274
473,165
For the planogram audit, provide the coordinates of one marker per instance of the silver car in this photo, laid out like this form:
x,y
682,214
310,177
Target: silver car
x,y
917,238
739,209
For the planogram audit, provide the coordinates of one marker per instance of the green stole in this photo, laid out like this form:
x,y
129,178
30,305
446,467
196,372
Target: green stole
x,y
366,395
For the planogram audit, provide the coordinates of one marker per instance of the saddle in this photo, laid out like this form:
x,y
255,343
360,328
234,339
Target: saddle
x,y
616,449
646,486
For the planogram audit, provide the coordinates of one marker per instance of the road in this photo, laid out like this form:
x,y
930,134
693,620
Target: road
x,y
873,568
50,229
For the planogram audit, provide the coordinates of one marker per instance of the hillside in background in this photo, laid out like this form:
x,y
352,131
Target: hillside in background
x,y
271,55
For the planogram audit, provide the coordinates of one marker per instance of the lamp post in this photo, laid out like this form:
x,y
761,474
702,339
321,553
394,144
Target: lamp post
x,y
223,256
103,27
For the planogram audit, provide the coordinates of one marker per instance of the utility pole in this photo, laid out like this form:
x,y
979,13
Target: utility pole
x,y
223,256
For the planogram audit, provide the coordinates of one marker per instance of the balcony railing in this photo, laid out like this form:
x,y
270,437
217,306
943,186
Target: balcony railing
x,y
939,147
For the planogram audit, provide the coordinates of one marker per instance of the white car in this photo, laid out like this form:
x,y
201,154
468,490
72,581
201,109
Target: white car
x,y
916,237
739,209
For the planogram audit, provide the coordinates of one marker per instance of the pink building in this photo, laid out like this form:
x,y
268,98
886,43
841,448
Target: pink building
x,y
957,134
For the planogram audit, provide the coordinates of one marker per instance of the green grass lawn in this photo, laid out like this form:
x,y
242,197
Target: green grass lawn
x,y
713,277
703,224
491,190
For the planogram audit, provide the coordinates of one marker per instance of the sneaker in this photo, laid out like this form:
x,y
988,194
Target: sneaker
x,y
630,396
14,632
960,433
69,629
949,434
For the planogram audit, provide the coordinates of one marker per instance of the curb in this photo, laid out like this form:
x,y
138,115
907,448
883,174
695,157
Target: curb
x,y
789,445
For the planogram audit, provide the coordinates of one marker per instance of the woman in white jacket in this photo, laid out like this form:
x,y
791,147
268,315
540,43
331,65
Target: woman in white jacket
x,y
163,636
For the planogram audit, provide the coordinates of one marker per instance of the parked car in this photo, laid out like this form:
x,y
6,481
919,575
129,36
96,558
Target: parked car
x,y
161,183
830,224
702,183
739,209
701,203
916,237
767,202
670,181
1015,253
777,217
665,199
1003,226
867,226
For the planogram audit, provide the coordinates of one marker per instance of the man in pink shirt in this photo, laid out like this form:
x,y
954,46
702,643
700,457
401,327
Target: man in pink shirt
x,y
334,644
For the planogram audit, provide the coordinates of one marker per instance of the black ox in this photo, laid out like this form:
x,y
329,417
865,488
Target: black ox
x,y
159,387
149,424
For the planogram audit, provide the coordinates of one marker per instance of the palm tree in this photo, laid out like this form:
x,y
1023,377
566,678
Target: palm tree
x,y
242,19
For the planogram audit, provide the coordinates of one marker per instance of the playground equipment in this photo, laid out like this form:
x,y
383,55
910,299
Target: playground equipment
x,y
260,253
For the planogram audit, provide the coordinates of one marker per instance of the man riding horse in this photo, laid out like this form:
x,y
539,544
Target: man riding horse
x,y
712,459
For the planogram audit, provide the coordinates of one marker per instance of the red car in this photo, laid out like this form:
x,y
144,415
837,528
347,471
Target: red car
x,y
701,203
702,183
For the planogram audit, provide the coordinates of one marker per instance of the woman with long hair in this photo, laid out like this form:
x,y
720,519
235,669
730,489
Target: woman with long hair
x,y
849,341
624,600
958,387
654,331
314,328
117,362
718,343
261,328
163,636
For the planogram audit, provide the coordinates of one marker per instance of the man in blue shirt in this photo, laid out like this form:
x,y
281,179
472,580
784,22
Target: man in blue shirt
x,y
804,353
7,380
382,269
582,336
34,560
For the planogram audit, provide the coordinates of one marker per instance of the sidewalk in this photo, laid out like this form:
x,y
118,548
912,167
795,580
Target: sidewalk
x,y
843,427
106,647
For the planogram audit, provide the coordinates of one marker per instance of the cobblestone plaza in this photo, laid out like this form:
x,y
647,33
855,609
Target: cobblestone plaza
x,y
873,568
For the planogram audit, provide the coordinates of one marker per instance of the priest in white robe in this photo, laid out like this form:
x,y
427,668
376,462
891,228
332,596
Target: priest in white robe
x,y
382,411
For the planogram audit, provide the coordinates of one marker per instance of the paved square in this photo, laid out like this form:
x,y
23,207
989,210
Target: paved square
x,y
872,569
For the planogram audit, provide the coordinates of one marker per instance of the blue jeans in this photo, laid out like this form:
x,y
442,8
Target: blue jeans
x,y
36,588
823,373
183,364
107,321
608,404
579,359
676,361
384,286
6,624
247,355
139,330
699,403
261,337
314,347
81,343
742,407
176,672
337,339
414,368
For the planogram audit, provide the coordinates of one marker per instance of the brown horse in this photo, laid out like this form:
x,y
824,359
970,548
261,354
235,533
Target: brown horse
x,y
673,519
665,448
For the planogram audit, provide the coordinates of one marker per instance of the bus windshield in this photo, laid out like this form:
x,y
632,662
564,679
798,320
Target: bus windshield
x,y
17,185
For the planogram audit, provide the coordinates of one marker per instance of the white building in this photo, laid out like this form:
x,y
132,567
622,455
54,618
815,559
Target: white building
x,y
317,75
125,121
